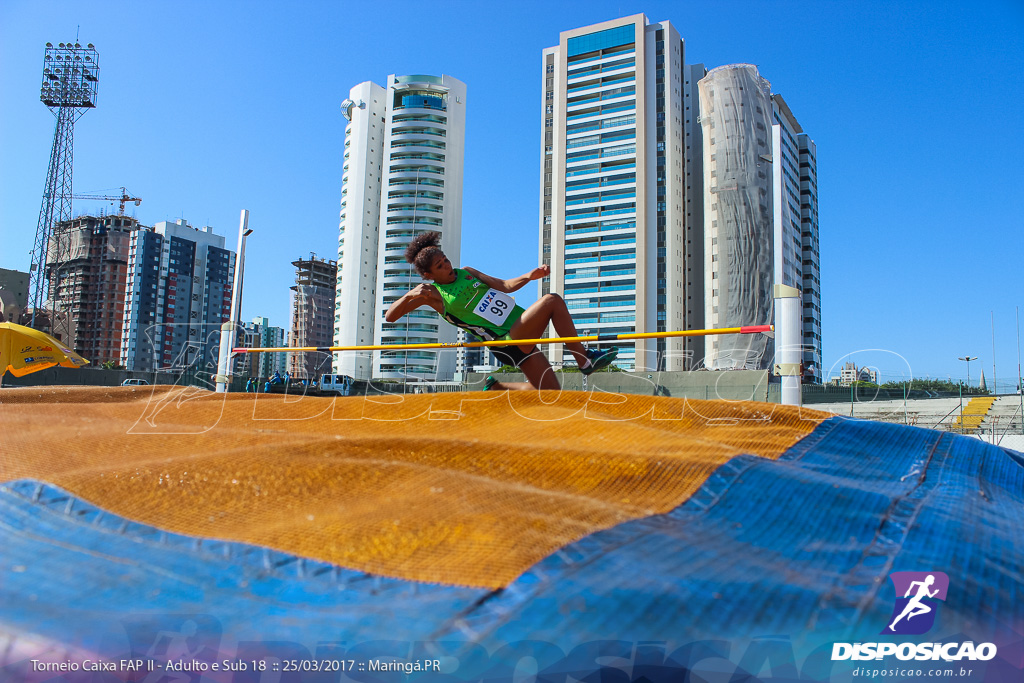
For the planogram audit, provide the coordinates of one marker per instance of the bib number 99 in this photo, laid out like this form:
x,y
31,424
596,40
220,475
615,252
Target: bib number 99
x,y
495,307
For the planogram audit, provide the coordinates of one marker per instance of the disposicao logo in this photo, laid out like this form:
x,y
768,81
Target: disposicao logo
x,y
918,595
914,612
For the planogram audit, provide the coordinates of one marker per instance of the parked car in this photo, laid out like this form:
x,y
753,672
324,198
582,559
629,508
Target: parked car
x,y
134,383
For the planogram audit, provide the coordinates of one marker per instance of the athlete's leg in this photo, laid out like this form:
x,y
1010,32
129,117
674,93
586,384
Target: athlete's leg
x,y
550,308
539,372
511,386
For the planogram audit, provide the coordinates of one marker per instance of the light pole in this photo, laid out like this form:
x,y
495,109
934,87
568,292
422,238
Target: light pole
x,y
229,329
968,359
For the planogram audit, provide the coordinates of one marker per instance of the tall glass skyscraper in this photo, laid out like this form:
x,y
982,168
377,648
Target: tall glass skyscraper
x,y
401,176
617,213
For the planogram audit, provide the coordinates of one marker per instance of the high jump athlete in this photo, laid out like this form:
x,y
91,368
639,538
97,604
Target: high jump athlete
x,y
480,304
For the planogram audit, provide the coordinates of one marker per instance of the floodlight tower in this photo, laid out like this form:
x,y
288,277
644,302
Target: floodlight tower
x,y
71,76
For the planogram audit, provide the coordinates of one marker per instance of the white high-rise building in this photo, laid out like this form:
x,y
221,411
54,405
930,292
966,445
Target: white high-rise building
x,y
401,176
618,209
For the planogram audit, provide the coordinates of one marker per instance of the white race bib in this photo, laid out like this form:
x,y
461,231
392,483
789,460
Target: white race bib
x,y
495,307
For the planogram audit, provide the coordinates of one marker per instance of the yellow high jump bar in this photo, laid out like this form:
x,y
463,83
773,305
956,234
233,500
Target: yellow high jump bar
x,y
601,338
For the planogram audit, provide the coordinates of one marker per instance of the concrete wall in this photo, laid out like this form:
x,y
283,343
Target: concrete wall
x,y
736,385
58,376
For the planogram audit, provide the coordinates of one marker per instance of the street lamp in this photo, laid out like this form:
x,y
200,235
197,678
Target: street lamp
x,y
229,329
968,359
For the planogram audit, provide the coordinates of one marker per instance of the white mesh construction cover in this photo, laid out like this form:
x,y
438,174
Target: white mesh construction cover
x,y
735,110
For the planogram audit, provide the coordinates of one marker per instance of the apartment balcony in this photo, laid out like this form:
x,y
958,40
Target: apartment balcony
x,y
574,80
427,222
425,129
605,110
601,65
626,77
416,138
628,183
404,275
590,216
612,245
585,275
415,172
626,152
431,209
603,98
626,287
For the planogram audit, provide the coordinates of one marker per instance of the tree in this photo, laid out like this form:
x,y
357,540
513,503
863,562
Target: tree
x,y
937,385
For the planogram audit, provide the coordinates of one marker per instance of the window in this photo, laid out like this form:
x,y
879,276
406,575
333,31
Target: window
x,y
613,37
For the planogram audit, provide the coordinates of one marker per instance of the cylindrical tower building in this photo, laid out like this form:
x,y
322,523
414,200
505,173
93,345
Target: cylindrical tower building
x,y
736,121
402,176
423,156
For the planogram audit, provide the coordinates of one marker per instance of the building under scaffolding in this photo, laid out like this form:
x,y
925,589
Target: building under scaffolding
x,y
738,110
312,315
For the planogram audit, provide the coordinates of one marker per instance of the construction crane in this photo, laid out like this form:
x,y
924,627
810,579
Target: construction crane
x,y
122,199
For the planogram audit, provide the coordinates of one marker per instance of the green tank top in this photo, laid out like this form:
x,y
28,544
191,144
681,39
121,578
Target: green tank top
x,y
483,312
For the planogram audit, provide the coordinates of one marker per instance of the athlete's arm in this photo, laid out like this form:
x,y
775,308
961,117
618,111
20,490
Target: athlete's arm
x,y
421,295
512,285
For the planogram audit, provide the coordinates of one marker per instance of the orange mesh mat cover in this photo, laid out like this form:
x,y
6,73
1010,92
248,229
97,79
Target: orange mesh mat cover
x,y
468,489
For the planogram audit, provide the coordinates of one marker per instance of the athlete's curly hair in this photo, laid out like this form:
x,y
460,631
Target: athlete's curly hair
x,y
422,250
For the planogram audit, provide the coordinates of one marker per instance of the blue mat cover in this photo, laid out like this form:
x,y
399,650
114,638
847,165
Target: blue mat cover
x,y
756,578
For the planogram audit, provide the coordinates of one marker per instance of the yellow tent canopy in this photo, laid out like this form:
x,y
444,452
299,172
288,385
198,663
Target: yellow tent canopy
x,y
24,350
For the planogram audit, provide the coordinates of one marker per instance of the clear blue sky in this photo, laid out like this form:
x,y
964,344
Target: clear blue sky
x,y
206,108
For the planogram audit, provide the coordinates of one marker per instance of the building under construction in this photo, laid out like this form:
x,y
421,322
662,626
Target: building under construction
x,y
312,315
86,283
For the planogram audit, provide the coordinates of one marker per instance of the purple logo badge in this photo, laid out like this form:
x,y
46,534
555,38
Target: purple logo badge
x,y
917,596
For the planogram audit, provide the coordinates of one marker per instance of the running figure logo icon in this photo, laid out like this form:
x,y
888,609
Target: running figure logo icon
x,y
917,595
